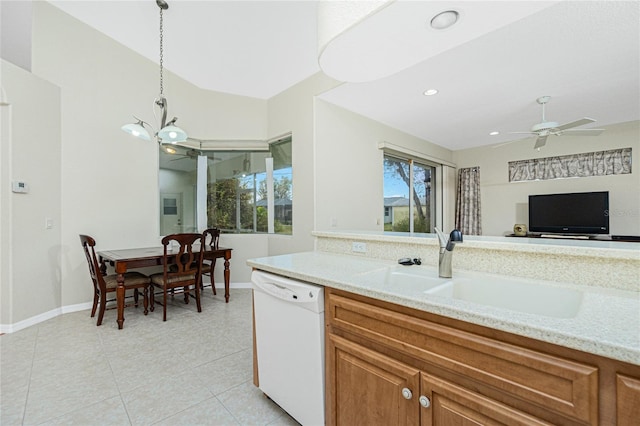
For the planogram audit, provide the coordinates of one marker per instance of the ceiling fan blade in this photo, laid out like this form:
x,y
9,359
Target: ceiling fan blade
x,y
584,132
581,122
540,142
522,133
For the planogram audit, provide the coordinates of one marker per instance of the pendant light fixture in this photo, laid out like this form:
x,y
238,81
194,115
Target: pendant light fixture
x,y
169,132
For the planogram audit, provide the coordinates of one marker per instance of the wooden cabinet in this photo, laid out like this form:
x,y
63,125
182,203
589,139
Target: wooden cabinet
x,y
444,404
627,400
368,386
392,365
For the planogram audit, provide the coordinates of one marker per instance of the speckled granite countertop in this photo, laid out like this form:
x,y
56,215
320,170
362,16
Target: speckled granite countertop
x,y
607,323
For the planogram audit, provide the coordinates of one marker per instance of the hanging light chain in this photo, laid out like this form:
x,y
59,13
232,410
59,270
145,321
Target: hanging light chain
x,y
161,53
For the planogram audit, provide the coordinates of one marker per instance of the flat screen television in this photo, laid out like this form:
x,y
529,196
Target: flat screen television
x,y
574,213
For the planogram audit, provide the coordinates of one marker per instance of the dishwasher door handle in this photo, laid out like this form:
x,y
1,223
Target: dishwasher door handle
x,y
279,291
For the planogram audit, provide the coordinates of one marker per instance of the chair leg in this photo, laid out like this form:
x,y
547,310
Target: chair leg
x,y
152,297
103,304
186,295
135,297
95,303
197,290
164,305
213,284
145,299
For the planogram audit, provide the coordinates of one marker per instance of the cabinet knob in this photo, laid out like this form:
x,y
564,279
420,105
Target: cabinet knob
x,y
406,392
424,401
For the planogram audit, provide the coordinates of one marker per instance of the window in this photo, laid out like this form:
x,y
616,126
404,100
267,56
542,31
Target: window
x,y
409,201
239,191
282,186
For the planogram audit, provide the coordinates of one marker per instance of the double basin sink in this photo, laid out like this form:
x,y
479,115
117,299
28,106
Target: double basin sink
x,y
515,294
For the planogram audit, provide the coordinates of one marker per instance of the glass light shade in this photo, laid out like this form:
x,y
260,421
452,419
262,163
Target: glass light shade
x,y
172,134
137,130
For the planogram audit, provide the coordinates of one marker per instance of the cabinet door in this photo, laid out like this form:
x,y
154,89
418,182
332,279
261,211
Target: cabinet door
x,y
627,400
368,388
446,404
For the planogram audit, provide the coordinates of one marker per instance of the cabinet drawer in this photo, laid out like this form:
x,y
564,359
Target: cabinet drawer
x,y
564,386
454,405
627,400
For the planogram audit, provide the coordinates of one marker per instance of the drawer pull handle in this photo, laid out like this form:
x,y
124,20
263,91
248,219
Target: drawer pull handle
x,y
406,392
424,401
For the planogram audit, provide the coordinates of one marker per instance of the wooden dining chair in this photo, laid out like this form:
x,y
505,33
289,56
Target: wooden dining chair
x,y
182,265
104,284
210,237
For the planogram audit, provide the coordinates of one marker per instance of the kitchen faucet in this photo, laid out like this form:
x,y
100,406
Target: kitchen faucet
x,y
446,251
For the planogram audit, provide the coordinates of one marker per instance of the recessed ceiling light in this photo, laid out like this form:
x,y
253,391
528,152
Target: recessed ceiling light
x,y
430,92
444,19
494,133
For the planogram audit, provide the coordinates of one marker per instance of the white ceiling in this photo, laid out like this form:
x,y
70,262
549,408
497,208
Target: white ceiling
x,y
584,54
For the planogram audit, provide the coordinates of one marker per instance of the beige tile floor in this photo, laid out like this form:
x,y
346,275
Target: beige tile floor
x,y
193,369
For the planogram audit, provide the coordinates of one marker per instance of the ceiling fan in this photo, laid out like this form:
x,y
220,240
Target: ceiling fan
x,y
191,153
188,154
545,128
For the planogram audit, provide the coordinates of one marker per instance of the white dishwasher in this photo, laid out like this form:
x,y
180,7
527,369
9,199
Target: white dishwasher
x,y
289,330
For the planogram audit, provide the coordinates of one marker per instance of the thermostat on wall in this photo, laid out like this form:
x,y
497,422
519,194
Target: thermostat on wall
x,y
19,187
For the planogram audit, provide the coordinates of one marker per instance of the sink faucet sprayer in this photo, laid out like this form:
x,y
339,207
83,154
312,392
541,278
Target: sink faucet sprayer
x,y
446,251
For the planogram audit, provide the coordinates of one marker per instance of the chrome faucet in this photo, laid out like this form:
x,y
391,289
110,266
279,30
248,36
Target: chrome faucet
x,y
446,251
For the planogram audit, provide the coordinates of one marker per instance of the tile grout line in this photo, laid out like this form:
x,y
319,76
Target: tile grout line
x,y
33,358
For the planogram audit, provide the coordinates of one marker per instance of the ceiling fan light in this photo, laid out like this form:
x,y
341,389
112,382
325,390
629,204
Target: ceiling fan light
x,y
172,134
137,130
444,19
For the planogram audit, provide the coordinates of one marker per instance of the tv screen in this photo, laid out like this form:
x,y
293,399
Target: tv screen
x,y
574,213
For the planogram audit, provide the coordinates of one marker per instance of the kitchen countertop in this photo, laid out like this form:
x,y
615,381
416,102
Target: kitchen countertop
x,y
607,323
596,263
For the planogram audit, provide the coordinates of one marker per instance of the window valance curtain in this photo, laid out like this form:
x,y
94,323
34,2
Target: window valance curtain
x,y
468,216
600,163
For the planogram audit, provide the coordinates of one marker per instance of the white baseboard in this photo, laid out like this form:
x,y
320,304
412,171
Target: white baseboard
x,y
11,328
77,307
20,325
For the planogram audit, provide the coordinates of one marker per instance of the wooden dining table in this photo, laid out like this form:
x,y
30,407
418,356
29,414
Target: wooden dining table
x,y
124,260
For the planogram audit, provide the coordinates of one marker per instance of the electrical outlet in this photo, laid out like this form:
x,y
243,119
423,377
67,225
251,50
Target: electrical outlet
x,y
358,247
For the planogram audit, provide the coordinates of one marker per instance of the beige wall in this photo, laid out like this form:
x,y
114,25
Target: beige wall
x,y
293,111
110,179
349,165
31,278
505,204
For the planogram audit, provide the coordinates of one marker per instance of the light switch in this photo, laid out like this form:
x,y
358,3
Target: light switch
x,y
48,223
